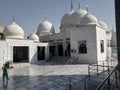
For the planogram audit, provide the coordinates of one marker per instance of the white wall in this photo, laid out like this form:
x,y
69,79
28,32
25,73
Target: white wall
x,y
87,33
55,37
6,52
2,52
101,35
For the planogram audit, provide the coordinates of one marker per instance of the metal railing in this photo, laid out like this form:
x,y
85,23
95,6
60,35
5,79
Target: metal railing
x,y
72,85
110,82
95,69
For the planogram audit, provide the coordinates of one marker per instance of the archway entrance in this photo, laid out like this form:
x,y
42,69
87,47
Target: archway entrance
x,y
68,50
20,54
60,50
52,51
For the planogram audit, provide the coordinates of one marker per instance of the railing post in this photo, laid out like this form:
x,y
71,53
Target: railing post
x,y
103,66
69,83
85,84
97,68
116,78
89,72
108,79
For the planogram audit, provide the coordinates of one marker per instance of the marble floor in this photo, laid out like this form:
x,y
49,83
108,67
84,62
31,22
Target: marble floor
x,y
26,76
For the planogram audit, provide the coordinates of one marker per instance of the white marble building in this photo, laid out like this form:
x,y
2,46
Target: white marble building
x,y
82,37
15,48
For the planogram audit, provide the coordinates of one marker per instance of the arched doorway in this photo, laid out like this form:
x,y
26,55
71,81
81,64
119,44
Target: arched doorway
x,y
68,50
60,50
41,53
52,51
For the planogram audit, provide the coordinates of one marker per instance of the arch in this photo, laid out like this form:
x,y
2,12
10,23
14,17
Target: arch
x,y
102,46
68,50
40,53
60,50
52,51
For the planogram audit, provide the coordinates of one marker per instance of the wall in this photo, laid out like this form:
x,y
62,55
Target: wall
x,y
2,52
101,35
6,52
87,33
55,38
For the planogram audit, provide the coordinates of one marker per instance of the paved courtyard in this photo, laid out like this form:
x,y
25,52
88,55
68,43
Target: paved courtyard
x,y
26,76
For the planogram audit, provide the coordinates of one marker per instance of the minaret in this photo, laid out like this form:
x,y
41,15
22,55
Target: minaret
x,y
79,5
33,30
87,8
13,19
45,18
71,5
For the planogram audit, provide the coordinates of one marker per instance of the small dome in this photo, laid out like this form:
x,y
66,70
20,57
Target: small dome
x,y
88,19
78,15
45,28
34,37
66,19
13,31
103,24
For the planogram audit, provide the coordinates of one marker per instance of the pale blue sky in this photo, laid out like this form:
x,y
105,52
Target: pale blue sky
x,y
30,13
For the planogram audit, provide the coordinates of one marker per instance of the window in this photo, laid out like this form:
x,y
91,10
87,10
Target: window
x,y
102,46
82,47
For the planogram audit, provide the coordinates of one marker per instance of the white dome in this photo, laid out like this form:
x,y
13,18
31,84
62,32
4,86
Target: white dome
x,y
66,19
77,16
13,31
103,24
34,37
88,19
45,28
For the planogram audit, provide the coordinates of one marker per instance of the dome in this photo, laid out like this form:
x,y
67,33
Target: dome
x,y
13,31
34,37
88,19
103,24
66,19
45,28
78,15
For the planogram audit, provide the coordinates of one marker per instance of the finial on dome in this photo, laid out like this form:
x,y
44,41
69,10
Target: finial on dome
x,y
71,5
79,4
87,8
13,19
45,18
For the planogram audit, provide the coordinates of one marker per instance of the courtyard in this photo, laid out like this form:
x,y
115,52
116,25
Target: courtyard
x,y
25,76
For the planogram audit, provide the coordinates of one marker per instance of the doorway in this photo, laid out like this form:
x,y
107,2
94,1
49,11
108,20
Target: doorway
x,y
60,50
52,51
20,54
40,53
